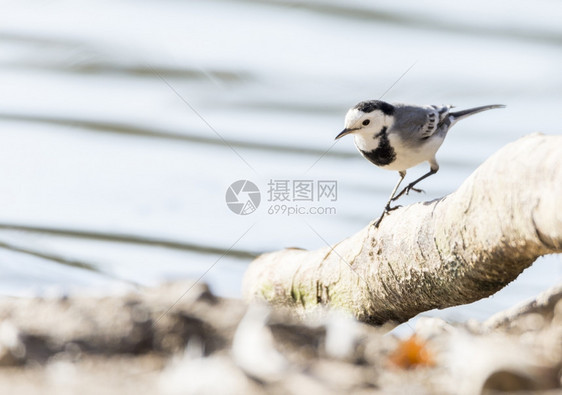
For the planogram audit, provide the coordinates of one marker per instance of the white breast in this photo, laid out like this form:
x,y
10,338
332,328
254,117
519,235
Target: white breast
x,y
407,157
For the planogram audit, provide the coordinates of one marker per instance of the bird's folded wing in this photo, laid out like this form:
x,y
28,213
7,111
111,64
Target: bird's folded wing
x,y
417,122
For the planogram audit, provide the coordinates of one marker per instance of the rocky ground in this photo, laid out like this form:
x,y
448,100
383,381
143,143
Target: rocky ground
x,y
145,342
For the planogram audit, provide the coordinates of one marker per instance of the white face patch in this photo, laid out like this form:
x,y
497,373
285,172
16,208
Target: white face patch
x,y
352,118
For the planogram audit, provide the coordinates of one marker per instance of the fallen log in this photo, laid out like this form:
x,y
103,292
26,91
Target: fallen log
x,y
436,254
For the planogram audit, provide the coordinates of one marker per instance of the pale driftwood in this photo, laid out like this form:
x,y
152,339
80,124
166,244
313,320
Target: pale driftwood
x,y
446,252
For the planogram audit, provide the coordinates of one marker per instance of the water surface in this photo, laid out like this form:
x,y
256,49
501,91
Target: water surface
x,y
123,123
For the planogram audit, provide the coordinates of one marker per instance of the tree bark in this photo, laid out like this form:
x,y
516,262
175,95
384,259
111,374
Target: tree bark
x,y
435,254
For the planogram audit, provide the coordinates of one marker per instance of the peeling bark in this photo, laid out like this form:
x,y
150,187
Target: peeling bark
x,y
436,254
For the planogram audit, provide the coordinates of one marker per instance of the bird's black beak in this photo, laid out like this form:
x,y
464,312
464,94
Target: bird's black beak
x,y
344,132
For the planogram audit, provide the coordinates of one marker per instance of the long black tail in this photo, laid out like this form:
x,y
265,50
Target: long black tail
x,y
458,115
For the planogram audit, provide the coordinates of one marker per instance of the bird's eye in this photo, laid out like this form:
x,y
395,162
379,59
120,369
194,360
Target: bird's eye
x,y
366,122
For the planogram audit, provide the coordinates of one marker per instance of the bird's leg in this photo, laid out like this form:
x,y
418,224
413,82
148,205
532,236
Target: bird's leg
x,y
387,207
432,170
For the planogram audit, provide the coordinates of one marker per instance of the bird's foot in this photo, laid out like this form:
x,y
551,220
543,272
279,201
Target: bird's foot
x,y
387,209
407,191
379,220
415,190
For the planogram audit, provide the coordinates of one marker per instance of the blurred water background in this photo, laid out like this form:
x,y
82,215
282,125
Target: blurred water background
x,y
123,123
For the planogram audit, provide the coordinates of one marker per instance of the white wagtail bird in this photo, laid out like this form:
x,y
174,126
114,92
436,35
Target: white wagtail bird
x,y
399,136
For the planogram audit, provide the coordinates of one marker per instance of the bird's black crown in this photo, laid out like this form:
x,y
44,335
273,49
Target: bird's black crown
x,y
372,105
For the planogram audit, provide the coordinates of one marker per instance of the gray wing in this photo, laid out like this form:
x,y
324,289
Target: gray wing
x,y
419,122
